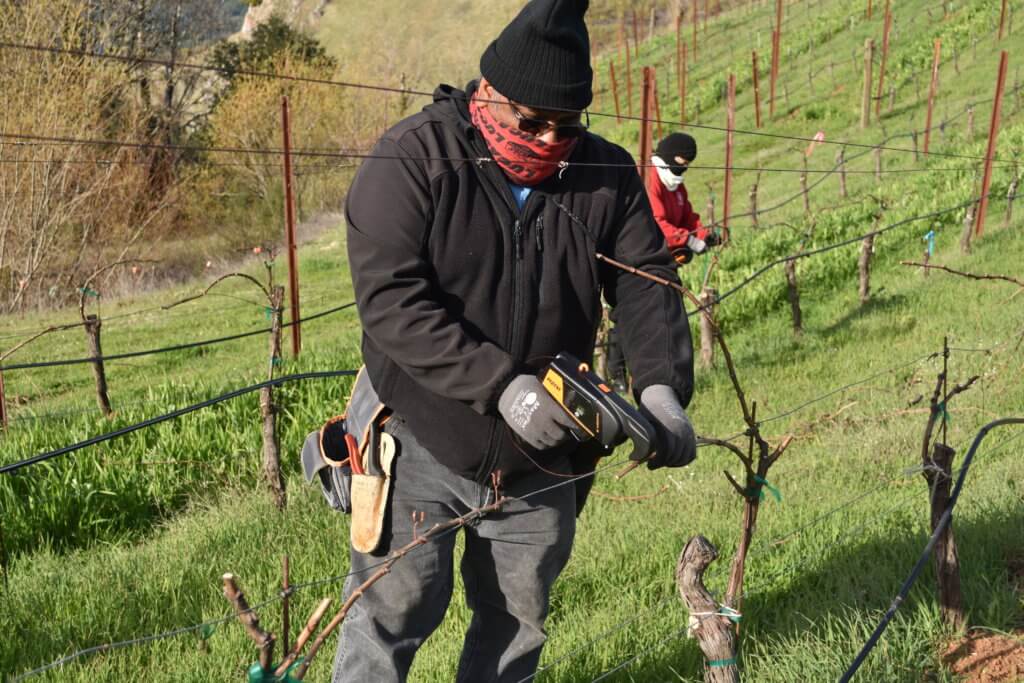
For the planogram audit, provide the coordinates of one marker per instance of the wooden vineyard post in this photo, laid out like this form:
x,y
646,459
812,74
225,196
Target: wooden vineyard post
x,y
777,53
3,404
757,92
885,55
1011,193
268,411
867,249
709,624
92,326
865,105
937,464
753,201
708,297
289,214
615,90
965,234
841,163
793,293
1002,19
931,93
729,135
644,157
938,474
993,134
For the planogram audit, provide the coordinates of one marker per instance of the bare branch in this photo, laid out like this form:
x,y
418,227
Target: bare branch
x,y
249,619
728,445
96,273
55,328
216,282
735,484
973,276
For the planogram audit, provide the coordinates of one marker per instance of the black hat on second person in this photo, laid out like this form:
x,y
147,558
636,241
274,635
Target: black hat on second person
x,y
676,149
542,58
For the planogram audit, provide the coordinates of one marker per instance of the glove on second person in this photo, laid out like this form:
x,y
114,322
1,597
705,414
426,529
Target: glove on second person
x,y
677,443
696,244
713,239
532,414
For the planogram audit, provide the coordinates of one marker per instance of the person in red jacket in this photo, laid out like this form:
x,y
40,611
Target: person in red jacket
x,y
684,233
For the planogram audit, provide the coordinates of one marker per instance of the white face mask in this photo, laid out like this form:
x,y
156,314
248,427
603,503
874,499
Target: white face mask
x,y
669,179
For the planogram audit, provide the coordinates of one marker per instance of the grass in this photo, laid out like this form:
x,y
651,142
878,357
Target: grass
x,y
129,538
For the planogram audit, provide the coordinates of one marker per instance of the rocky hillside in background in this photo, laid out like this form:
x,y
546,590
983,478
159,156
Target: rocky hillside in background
x,y
301,14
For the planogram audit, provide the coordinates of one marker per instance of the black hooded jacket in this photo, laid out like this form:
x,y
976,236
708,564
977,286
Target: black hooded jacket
x,y
459,291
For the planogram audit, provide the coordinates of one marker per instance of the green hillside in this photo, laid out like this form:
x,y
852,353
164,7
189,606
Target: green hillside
x,y
129,538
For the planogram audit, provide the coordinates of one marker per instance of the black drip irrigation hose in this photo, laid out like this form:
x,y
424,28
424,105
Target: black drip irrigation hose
x,y
922,561
100,438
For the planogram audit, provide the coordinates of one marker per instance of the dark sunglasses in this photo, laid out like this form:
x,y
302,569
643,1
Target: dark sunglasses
x,y
538,127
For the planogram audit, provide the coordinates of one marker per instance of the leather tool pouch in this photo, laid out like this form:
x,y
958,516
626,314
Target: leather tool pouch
x,y
325,456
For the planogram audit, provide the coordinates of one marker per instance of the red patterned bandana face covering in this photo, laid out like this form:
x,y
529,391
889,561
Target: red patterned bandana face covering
x,y
525,159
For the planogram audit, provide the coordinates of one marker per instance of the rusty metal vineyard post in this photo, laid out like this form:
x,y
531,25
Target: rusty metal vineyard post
x,y
776,56
289,215
993,134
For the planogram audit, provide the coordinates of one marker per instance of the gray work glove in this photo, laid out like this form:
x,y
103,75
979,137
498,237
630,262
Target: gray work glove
x,y
532,414
677,443
696,244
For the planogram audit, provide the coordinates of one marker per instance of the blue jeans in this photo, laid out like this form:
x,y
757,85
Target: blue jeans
x,y
512,558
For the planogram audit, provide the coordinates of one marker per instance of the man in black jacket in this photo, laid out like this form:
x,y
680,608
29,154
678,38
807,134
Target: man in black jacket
x,y
472,234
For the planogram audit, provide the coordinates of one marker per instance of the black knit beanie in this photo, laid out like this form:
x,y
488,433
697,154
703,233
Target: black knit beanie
x,y
677,145
542,58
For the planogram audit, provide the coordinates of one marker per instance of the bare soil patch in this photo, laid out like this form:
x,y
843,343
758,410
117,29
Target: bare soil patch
x,y
985,657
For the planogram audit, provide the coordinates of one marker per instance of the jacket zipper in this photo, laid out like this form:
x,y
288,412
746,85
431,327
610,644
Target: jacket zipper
x,y
494,438
540,233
